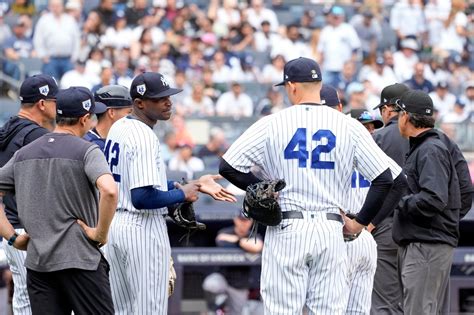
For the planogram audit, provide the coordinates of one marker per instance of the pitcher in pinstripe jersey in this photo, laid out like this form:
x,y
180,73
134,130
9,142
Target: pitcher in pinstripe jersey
x,y
139,248
315,150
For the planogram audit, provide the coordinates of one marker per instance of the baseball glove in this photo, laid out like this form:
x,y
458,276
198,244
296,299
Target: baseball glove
x,y
184,216
260,202
172,278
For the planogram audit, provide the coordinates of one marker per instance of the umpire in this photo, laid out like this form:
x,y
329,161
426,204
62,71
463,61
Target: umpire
x,y
427,218
36,118
56,178
387,295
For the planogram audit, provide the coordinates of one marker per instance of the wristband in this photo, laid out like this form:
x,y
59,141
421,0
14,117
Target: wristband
x,y
12,239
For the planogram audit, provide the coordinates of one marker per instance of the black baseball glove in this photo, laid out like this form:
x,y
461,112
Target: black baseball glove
x,y
183,215
260,202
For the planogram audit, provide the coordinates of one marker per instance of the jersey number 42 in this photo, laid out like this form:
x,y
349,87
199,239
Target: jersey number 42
x,y
112,152
296,148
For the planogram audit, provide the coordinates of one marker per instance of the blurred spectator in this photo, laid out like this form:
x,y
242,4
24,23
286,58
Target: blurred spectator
x,y
5,31
443,100
355,96
77,77
265,39
118,35
293,46
272,103
57,48
306,25
95,63
418,80
228,289
90,35
338,43
273,72
457,115
136,12
346,76
122,73
180,82
106,78
407,20
197,104
468,97
106,11
248,72
183,136
380,75
244,38
20,7
234,103
226,16
209,87
216,146
405,59
16,47
169,147
436,12
257,13
434,71
184,161
143,46
369,31
453,33
74,9
221,73
149,22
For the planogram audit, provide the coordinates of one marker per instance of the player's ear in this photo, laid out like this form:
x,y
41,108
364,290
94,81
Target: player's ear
x,y
138,103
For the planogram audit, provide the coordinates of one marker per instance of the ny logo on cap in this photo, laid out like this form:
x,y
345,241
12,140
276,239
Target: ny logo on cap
x,y
44,90
141,89
314,75
87,104
428,111
165,83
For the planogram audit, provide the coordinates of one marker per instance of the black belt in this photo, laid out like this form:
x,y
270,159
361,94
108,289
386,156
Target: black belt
x,y
299,215
164,215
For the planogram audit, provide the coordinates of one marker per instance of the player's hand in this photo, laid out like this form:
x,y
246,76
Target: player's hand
x,y
21,241
191,190
370,227
351,226
92,234
213,189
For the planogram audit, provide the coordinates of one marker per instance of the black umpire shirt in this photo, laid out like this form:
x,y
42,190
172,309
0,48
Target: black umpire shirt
x,y
430,211
391,142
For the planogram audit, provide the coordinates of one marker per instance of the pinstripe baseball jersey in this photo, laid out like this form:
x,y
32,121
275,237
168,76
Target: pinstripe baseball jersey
x,y
315,149
133,152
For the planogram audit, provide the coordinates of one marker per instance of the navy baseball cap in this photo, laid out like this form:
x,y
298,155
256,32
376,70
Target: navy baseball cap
x,y
38,87
329,96
391,93
416,102
301,70
366,117
151,85
77,101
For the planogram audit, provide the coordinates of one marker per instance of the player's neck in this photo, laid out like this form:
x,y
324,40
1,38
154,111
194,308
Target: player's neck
x,y
68,130
143,118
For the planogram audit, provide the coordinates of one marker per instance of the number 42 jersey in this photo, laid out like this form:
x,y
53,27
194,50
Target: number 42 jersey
x,y
132,150
315,149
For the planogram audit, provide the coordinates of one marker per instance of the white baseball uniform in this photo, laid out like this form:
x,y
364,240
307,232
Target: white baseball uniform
x,y
314,149
138,239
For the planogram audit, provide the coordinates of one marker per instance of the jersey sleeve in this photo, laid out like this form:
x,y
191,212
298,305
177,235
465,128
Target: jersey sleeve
x,y
370,160
95,164
144,169
248,149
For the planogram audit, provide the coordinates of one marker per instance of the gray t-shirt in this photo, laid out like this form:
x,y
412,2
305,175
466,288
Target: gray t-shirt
x,y
54,179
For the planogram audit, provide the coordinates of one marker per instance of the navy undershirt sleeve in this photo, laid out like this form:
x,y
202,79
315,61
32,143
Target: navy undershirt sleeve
x,y
151,198
239,179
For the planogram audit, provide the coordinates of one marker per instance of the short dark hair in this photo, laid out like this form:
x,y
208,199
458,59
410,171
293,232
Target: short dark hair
x,y
67,121
421,121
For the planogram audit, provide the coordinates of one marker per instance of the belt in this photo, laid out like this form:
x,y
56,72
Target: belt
x,y
164,215
299,215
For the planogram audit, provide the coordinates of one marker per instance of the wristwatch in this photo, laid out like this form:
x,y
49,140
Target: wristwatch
x,y
12,239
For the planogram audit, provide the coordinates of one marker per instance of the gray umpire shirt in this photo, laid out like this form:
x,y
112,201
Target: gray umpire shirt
x,y
54,179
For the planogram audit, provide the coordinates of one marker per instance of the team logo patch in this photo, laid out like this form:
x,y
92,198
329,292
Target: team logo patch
x,y
286,76
87,104
44,90
323,102
141,89
314,74
428,111
164,81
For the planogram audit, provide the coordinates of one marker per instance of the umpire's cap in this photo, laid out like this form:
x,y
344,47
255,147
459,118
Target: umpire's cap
x,y
391,93
113,96
151,85
38,87
77,101
329,96
301,70
416,102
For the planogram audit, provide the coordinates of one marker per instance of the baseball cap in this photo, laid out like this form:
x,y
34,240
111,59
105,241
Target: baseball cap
x,y
116,96
151,85
416,102
38,87
77,101
391,93
380,60
329,96
301,70
366,117
442,85
409,43
337,10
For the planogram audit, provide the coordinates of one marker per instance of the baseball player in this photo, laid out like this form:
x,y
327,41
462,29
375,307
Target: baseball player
x,y
35,118
119,104
139,248
314,149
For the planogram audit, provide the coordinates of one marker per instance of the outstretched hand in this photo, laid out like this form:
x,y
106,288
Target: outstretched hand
x,y
92,234
212,188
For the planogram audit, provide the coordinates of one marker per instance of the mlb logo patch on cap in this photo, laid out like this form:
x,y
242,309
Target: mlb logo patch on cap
x,y
141,89
44,90
87,104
